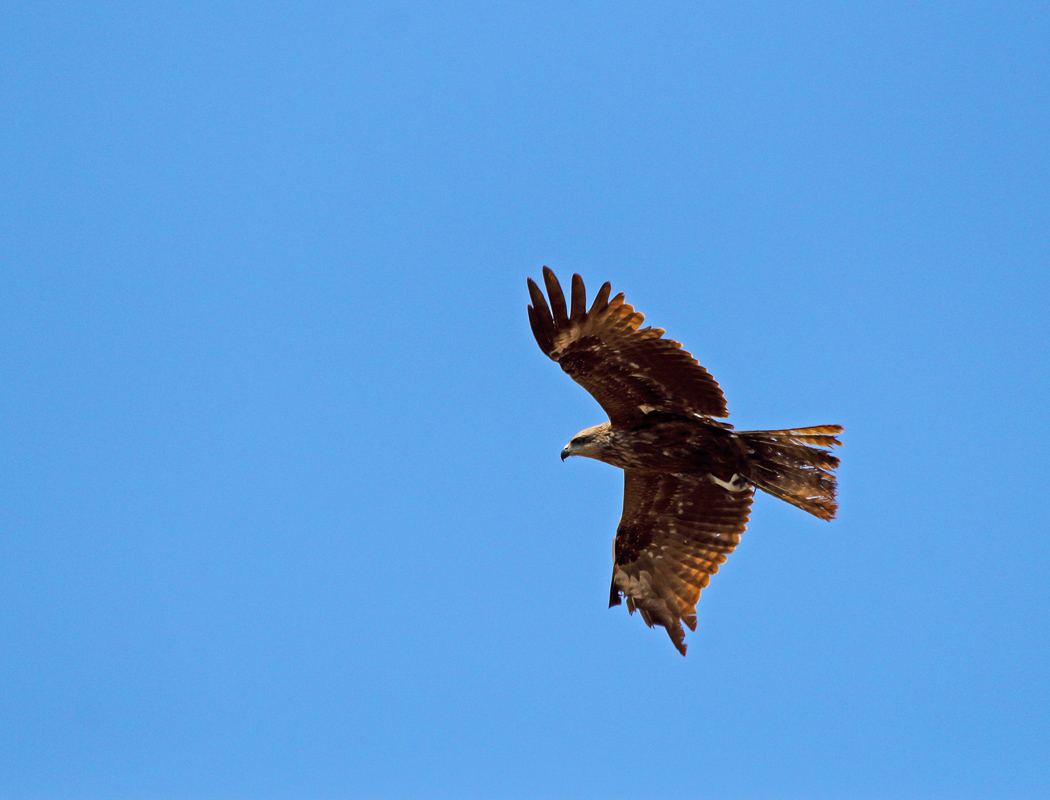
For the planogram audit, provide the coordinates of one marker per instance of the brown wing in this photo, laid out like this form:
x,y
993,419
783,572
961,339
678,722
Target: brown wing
x,y
674,533
629,370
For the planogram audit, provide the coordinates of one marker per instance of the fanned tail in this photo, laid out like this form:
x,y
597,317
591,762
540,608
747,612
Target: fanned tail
x,y
792,465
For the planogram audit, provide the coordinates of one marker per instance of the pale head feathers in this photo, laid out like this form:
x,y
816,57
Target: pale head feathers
x,y
590,442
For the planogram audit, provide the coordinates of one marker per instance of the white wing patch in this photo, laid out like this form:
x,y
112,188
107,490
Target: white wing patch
x,y
737,484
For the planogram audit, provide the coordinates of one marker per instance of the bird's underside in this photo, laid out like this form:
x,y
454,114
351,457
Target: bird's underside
x,y
689,478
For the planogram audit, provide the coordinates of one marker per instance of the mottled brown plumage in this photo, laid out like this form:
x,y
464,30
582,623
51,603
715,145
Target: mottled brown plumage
x,y
689,478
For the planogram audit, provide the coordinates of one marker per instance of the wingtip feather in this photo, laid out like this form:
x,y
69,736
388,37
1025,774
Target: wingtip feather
x,y
541,331
554,292
538,300
677,636
601,300
579,299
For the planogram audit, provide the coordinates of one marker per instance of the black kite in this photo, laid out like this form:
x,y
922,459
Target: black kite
x,y
688,478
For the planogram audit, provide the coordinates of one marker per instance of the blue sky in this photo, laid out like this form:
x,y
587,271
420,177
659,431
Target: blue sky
x,y
282,510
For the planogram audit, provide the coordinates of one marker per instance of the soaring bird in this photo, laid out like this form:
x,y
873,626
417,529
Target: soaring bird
x,y
689,478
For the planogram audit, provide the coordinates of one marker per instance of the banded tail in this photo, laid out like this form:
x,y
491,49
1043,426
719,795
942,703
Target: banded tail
x,y
792,465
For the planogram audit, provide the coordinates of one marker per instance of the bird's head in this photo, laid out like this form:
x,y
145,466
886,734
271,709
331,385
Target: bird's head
x,y
590,442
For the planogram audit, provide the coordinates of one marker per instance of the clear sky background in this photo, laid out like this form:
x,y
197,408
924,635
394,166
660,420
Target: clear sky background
x,y
282,511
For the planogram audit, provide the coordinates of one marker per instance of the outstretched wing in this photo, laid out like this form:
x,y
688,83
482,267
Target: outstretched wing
x,y
629,370
674,533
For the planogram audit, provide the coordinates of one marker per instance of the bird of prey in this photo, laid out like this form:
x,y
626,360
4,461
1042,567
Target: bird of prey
x,y
689,478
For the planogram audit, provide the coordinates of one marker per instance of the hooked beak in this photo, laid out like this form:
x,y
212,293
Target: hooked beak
x,y
565,453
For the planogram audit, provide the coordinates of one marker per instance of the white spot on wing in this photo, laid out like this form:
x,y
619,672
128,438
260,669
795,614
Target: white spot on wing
x,y
737,484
